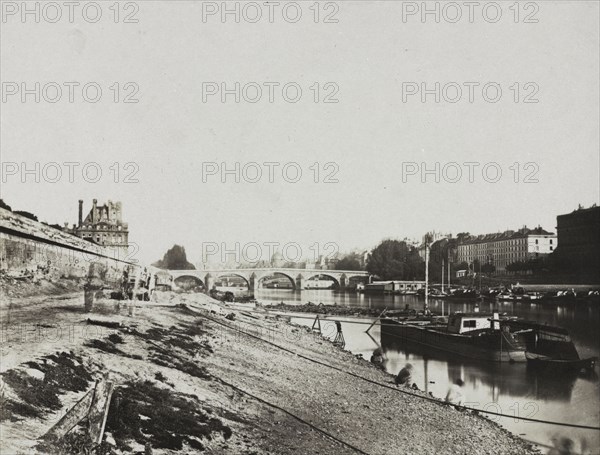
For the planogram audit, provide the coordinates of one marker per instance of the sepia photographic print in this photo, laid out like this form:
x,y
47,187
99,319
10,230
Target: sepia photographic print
x,y
299,227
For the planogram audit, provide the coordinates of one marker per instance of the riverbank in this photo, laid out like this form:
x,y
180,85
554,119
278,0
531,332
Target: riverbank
x,y
188,379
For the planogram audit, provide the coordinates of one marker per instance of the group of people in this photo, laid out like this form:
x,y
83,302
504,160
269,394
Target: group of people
x,y
141,283
404,378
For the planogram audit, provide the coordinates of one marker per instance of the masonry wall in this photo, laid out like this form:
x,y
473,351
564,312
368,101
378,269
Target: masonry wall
x,y
32,249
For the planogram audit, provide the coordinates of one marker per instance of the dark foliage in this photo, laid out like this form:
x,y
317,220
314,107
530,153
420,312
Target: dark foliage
x,y
170,419
175,259
395,260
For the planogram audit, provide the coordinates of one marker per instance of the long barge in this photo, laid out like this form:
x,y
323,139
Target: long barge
x,y
474,335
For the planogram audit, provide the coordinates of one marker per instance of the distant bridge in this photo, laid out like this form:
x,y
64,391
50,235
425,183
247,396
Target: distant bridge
x,y
254,277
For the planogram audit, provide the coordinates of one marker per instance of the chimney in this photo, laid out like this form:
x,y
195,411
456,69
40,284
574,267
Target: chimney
x,y
80,212
94,211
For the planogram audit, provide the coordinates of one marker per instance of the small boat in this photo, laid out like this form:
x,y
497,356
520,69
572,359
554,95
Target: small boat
x,y
549,346
464,294
535,295
573,365
506,296
408,293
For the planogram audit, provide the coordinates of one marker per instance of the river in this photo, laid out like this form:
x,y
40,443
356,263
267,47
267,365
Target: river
x,y
513,389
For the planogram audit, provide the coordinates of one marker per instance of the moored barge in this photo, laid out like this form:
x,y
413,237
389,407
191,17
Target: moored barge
x,y
477,336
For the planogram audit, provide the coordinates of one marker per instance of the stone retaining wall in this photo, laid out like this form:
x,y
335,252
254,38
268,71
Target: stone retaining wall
x,y
29,249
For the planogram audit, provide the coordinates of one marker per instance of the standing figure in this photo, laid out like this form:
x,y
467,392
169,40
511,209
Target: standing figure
x,y
455,393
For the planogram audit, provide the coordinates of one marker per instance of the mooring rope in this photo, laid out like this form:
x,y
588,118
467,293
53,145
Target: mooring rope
x,y
406,392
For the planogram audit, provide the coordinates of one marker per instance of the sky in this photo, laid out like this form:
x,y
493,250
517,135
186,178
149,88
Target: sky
x,y
369,147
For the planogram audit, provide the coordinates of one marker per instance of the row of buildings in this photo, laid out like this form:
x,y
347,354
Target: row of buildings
x,y
574,247
507,247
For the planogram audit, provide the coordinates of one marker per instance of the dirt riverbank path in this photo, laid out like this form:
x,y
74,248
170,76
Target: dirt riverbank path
x,y
184,345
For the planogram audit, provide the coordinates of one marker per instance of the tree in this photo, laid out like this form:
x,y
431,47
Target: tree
x,y
488,269
392,259
349,262
460,266
175,259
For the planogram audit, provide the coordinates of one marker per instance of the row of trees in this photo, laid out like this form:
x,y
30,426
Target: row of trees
x,y
396,260
393,259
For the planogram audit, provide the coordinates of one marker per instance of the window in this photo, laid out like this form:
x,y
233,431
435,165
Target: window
x,y
470,324
536,241
551,248
550,242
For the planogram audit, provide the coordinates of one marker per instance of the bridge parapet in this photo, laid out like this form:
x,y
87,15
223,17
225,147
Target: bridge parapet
x,y
253,277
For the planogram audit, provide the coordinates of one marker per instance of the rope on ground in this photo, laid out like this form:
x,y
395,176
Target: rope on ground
x,y
406,392
300,419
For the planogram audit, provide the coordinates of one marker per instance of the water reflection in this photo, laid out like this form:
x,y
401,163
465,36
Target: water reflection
x,y
517,380
515,390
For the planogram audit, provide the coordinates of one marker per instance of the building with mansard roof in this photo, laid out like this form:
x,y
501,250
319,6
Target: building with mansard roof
x,y
103,225
501,249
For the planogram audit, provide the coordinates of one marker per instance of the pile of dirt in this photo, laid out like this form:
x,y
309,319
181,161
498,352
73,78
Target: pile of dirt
x,y
160,418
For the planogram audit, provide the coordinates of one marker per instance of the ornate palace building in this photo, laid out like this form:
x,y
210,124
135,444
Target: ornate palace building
x,y
104,226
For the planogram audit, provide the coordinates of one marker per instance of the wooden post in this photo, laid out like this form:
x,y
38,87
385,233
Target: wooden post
x,y
72,417
375,321
339,337
93,406
317,322
99,410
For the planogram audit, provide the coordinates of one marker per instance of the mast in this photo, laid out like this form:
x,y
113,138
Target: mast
x,y
448,274
442,275
426,273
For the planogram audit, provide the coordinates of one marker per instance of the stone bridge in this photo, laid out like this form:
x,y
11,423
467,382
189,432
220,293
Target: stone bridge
x,y
254,277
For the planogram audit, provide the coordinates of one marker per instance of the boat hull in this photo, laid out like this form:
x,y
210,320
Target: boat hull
x,y
558,365
492,346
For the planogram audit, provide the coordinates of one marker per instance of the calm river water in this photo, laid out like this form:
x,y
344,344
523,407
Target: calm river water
x,y
511,389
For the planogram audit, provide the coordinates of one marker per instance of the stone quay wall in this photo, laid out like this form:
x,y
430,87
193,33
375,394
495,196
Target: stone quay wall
x,y
30,249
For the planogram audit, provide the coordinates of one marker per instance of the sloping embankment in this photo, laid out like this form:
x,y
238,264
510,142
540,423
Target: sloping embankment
x,y
189,381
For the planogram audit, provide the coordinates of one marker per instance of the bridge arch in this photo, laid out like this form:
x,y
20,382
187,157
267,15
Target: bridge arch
x,y
219,276
260,279
337,281
187,282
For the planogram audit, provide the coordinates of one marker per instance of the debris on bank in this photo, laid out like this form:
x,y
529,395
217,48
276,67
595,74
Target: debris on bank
x,y
320,308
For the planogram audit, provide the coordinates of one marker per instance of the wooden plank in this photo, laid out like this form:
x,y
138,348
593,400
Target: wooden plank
x,y
106,409
72,417
98,410
375,321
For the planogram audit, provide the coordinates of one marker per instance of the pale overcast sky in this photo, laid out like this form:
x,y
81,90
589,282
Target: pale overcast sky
x,y
368,54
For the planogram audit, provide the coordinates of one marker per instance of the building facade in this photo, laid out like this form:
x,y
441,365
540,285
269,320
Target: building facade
x,y
430,238
579,237
104,226
507,247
